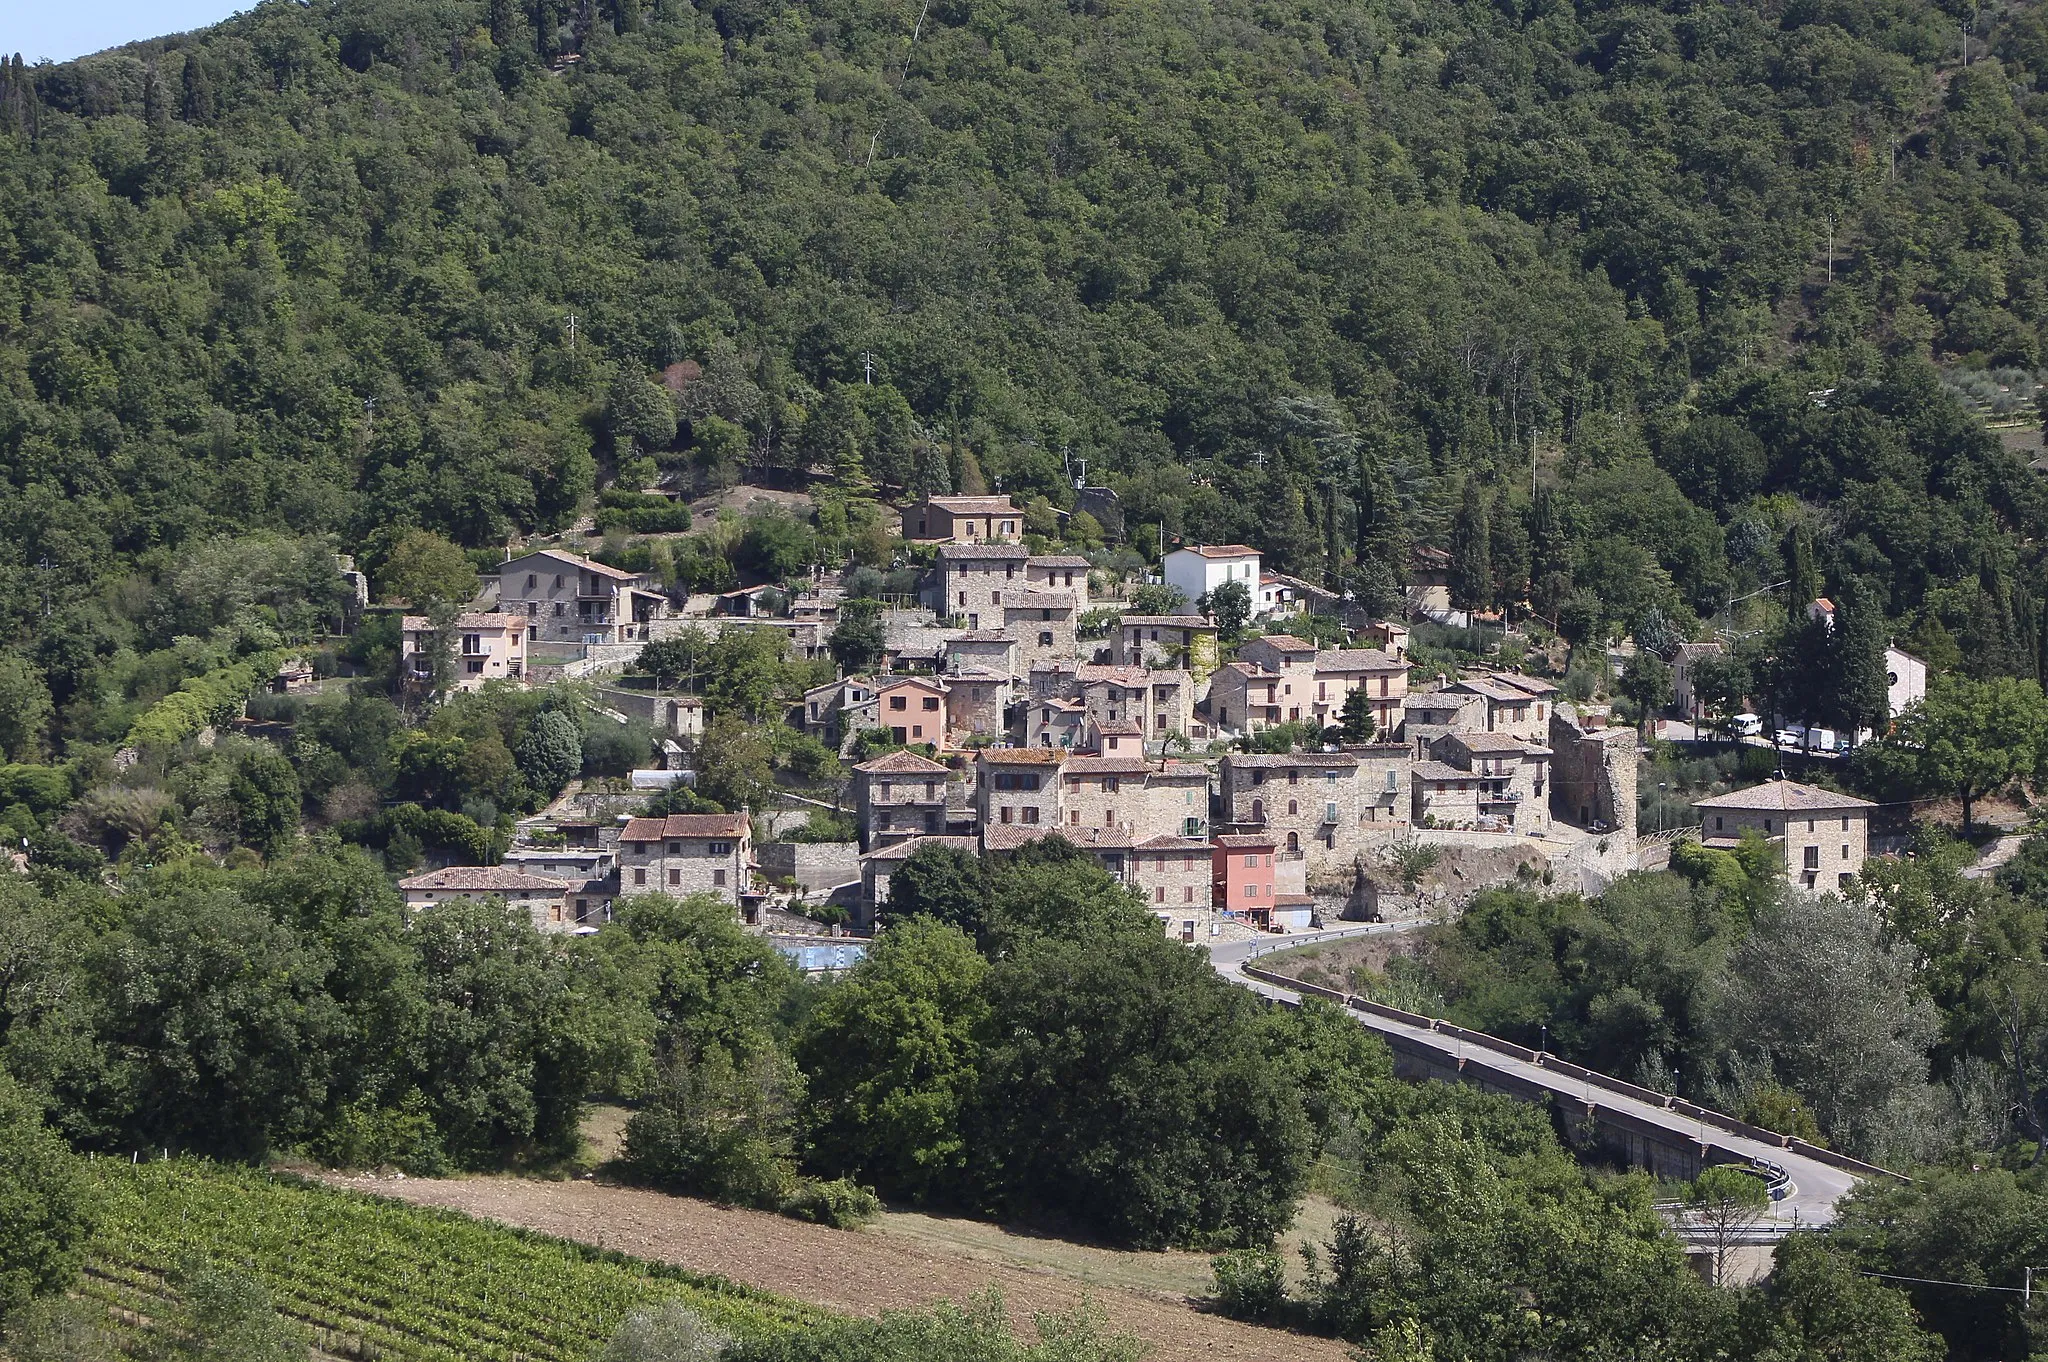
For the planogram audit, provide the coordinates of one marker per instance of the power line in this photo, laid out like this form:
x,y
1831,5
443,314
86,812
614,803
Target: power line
x,y
1930,1281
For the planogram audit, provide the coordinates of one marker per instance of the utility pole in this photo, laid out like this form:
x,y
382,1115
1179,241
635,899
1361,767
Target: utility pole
x,y
571,320
867,367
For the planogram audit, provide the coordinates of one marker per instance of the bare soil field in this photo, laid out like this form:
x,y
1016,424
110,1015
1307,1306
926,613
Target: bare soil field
x,y
903,1262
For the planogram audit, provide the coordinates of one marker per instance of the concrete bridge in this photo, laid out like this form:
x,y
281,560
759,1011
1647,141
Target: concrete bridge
x,y
1652,1130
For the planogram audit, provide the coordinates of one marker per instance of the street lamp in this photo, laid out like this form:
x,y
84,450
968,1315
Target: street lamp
x,y
1544,1048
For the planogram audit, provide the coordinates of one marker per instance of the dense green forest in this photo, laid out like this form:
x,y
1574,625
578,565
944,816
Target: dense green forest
x,y
1305,275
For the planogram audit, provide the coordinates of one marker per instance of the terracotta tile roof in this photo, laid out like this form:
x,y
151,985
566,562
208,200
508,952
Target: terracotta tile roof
x,y
577,560
1498,742
1220,550
1022,756
1172,769
483,879
1785,796
902,851
1283,760
1243,840
1029,599
1438,770
1286,643
901,764
976,553
1059,560
1169,621
1123,674
1108,766
884,685
469,620
982,636
1119,728
1101,839
974,505
979,674
1010,836
1165,843
1357,660
684,825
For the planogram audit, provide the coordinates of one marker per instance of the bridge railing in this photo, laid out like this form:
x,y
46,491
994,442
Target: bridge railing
x,y
1706,1116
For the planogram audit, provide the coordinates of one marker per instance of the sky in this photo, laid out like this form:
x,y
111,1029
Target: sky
x,y
58,30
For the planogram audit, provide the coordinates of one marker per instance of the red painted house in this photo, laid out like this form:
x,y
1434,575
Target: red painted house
x,y
1243,876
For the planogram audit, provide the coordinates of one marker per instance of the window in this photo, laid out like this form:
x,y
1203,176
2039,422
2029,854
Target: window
x,y
718,878
1383,685
917,730
931,704
931,789
1251,862
675,876
558,581
1809,825
1330,812
1845,823
472,644
1845,851
1717,822
899,702
639,848
1293,808
1159,893
1031,813
1251,891
1006,814
1393,779
1074,818
532,580
721,848
640,876
1812,861
1845,879
1187,894
474,666
1294,777
963,598
558,609
1767,825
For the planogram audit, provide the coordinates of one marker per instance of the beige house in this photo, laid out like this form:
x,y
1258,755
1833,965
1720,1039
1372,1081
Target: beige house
x,y
900,795
1824,836
962,520
1340,671
547,898
566,598
486,647
1186,642
688,853
1172,874
992,649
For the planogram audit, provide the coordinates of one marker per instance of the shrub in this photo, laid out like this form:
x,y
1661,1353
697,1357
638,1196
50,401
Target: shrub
x,y
1250,1283
840,1203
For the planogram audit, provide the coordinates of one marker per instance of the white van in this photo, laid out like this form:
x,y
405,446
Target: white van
x,y
1746,725
1822,740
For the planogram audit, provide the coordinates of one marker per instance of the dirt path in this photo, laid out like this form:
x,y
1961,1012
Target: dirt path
x,y
856,1272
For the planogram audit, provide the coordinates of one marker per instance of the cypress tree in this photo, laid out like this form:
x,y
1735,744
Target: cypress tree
x,y
196,105
1805,576
1382,533
1861,686
1508,547
1471,562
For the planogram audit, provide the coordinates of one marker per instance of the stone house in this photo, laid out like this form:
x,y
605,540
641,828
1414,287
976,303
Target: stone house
x,y
566,598
688,853
1104,792
487,647
1515,704
1160,703
1173,873
1383,781
1019,787
1244,697
900,795
1428,716
1171,642
992,649
1176,799
547,898
963,520
1053,722
879,866
1445,796
838,709
1823,836
1041,623
1512,792
913,709
1059,574
972,580
978,704
1307,802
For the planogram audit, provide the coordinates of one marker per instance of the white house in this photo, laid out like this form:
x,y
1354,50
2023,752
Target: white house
x,y
1198,571
1905,681
487,647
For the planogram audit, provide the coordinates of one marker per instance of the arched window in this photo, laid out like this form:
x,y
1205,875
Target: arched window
x,y
1258,811
1294,841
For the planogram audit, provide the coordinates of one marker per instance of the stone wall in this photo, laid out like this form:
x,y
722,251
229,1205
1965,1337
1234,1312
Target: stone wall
x,y
1593,776
813,865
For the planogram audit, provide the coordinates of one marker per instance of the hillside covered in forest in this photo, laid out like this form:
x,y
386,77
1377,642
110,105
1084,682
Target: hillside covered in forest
x,y
1311,275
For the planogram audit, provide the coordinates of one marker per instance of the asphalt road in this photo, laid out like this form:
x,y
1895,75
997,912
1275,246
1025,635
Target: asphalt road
x,y
1816,1186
